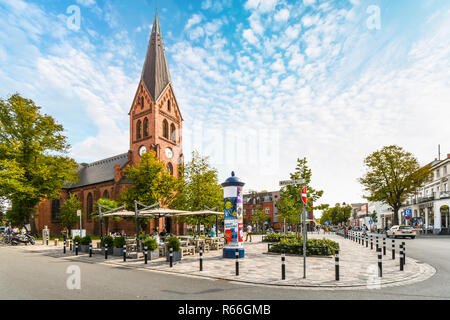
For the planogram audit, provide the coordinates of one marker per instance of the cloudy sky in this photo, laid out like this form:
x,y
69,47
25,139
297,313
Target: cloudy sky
x,y
260,83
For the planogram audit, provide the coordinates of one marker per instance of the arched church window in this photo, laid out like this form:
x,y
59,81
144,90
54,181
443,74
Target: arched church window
x,y
165,129
173,133
145,127
138,130
169,168
168,105
90,206
106,194
142,102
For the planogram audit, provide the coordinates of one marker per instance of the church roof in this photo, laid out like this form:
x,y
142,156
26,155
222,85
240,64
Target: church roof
x,y
155,73
99,171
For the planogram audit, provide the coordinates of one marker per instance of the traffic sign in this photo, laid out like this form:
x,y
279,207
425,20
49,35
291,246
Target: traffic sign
x,y
304,198
291,182
408,212
78,213
326,223
370,221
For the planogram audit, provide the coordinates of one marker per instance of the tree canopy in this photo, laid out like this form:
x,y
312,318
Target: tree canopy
x,y
336,215
200,188
393,174
33,165
68,213
290,205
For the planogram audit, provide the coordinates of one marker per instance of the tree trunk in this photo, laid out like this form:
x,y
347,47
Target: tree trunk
x,y
395,217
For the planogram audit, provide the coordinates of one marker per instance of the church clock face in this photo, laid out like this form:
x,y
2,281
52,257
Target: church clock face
x,y
142,150
169,153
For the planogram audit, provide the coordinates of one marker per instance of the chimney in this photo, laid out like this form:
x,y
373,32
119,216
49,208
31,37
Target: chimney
x,y
117,173
448,155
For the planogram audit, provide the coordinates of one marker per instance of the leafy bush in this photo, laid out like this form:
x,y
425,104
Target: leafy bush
x,y
77,239
276,237
151,244
86,240
107,239
313,246
119,242
174,243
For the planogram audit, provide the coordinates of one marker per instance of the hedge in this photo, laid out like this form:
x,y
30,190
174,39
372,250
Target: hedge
x,y
119,242
313,246
151,244
107,239
174,243
276,237
86,240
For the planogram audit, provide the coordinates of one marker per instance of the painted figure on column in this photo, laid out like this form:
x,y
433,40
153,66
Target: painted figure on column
x,y
233,217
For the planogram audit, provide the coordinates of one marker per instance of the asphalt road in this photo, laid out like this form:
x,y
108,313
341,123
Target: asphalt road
x,y
27,275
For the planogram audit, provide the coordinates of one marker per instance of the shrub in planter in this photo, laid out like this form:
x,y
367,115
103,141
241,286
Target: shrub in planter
x,y
313,246
118,243
85,243
107,240
153,248
175,244
276,237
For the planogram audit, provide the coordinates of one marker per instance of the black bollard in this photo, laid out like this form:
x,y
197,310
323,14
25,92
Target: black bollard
x,y
384,246
393,249
201,259
64,246
359,238
76,248
171,257
377,245
371,242
336,264
145,255
124,253
401,257
237,261
90,249
367,241
404,253
70,242
283,266
106,251
380,265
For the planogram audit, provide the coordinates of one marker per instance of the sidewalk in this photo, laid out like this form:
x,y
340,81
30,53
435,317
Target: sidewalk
x,y
358,266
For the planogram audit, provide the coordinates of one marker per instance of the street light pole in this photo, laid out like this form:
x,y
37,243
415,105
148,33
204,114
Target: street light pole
x,y
304,241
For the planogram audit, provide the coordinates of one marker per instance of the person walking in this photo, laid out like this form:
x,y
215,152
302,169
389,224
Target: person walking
x,y
249,233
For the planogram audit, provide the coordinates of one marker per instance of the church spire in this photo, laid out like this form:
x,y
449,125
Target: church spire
x,y
155,73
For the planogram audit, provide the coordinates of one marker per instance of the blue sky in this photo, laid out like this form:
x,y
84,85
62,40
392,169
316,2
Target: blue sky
x,y
259,82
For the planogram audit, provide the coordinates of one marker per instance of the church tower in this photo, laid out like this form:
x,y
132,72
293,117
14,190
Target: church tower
x,y
155,118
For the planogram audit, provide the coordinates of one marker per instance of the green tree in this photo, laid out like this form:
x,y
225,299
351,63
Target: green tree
x,y
392,175
32,162
199,188
260,218
68,213
292,211
108,203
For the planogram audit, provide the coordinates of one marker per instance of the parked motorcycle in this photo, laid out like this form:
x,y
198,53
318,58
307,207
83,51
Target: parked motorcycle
x,y
19,238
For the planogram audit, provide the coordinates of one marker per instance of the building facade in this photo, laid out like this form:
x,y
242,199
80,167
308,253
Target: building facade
x,y
155,124
430,204
267,201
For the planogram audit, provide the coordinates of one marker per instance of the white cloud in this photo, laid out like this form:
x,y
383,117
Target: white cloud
x,y
195,19
282,15
250,36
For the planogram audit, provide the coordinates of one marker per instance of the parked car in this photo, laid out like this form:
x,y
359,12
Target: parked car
x,y
401,231
2,229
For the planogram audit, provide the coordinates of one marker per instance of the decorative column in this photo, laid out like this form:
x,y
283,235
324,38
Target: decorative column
x,y
233,217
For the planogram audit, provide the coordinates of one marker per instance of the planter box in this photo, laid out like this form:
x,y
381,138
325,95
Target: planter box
x,y
118,252
176,255
84,248
110,251
153,255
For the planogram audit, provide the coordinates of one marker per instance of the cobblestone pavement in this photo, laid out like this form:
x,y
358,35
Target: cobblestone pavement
x,y
358,266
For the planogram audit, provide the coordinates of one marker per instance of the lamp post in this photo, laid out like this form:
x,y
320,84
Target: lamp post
x,y
233,218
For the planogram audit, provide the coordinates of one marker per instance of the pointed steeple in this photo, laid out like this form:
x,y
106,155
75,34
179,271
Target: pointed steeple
x,y
155,73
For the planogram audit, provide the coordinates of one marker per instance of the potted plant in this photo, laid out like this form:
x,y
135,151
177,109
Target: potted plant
x,y
85,243
175,244
153,248
107,240
118,242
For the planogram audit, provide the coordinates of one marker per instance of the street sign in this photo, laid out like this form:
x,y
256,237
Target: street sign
x,y
78,213
304,199
326,223
370,221
291,182
408,212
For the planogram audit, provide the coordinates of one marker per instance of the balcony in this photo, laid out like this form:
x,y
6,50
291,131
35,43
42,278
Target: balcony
x,y
444,195
426,198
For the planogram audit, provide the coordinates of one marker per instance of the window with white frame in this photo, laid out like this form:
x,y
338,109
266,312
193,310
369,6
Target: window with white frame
x,y
267,210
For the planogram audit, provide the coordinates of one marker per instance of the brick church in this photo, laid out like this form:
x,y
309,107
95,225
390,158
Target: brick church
x,y
155,124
